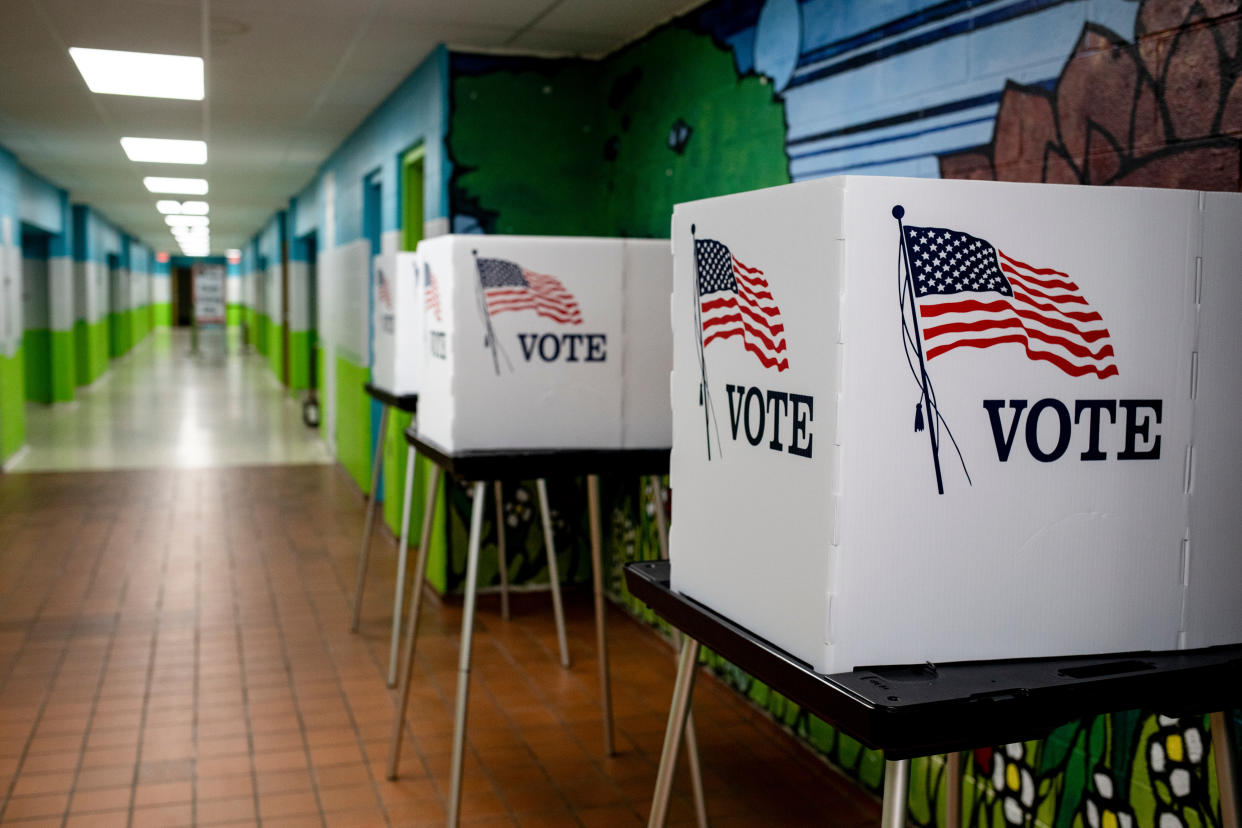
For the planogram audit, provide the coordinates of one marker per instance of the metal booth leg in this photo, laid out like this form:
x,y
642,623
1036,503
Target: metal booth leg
x,y
369,522
953,790
403,553
1226,779
692,741
554,575
896,788
411,632
502,559
678,711
463,660
601,630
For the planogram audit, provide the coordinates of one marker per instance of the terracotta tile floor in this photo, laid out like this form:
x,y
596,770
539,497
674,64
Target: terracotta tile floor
x,y
174,650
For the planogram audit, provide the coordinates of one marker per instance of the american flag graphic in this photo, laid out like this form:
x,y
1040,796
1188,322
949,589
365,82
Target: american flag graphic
x,y
384,295
431,294
736,300
510,287
972,295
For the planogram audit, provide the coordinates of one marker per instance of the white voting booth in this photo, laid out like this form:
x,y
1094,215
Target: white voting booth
x,y
538,353
545,343
921,420
396,324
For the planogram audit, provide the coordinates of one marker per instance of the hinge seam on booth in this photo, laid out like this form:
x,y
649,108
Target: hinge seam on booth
x,y
1198,282
1194,374
1188,469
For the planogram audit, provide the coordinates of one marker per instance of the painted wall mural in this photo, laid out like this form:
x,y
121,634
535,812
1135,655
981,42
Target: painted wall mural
x,y
741,94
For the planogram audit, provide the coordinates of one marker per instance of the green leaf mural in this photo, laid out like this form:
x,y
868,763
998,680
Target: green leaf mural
x,y
601,132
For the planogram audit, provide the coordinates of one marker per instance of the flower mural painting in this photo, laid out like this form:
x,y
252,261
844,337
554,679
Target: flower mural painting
x,y
1162,111
1175,757
1103,808
1014,782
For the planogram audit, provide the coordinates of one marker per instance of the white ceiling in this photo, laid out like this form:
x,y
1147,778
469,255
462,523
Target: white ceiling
x,y
287,81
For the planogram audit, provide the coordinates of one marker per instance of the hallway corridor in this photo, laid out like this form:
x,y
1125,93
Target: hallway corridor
x,y
174,646
160,407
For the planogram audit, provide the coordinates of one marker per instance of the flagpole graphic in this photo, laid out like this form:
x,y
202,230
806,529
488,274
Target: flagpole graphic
x,y
705,397
489,339
907,289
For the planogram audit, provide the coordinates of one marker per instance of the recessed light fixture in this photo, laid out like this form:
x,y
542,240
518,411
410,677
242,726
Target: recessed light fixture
x,y
178,186
145,74
182,208
165,150
187,221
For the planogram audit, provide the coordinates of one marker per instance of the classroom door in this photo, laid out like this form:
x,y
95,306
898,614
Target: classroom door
x,y
412,218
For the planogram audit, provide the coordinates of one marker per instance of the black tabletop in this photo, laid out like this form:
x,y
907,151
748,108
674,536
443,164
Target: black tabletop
x,y
402,402
526,464
919,710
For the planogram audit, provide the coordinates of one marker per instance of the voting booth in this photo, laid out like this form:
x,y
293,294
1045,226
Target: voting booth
x,y
396,324
919,420
545,343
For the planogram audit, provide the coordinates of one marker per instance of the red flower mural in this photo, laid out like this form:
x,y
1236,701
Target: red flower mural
x,y
1163,111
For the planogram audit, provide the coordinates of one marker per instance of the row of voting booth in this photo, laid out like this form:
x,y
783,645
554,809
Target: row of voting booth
x,y
907,422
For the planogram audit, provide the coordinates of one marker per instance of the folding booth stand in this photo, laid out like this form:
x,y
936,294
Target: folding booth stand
x,y
926,709
408,403
479,466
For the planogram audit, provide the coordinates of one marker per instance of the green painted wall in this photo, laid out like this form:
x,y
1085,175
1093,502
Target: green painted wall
x,y
233,314
119,333
37,347
100,333
300,345
162,313
395,453
395,447
258,333
12,403
353,422
275,347
63,365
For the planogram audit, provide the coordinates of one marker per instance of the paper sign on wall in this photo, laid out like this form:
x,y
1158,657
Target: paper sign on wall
x,y
209,306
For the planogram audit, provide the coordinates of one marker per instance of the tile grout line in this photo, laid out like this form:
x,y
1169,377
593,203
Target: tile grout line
x,y
241,664
64,653
353,722
264,556
409,739
197,674
146,695
90,719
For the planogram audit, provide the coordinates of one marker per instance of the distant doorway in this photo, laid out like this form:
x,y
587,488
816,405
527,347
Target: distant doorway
x,y
183,296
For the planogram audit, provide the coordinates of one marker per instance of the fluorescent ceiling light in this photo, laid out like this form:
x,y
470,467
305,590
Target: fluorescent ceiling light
x,y
145,74
182,208
187,221
184,186
165,150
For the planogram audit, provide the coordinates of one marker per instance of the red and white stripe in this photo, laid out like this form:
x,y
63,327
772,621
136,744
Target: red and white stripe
x,y
751,313
546,296
432,296
1047,315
